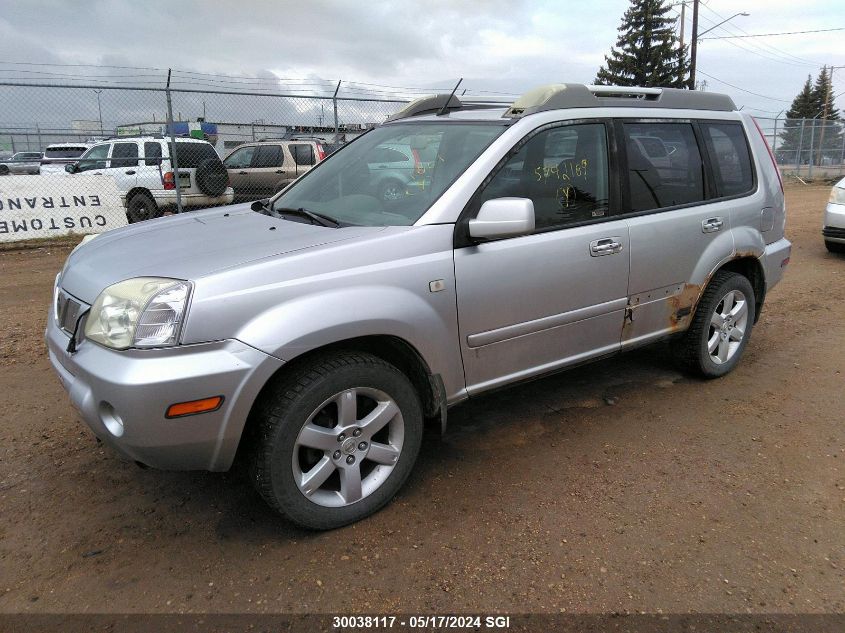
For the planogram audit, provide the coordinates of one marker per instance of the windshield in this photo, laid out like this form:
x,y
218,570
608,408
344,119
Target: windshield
x,y
392,175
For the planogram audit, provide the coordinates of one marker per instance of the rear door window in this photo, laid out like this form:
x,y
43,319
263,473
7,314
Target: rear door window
x,y
269,156
665,167
732,167
124,155
152,153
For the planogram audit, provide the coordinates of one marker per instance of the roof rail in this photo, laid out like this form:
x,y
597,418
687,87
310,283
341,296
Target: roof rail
x,y
427,105
559,96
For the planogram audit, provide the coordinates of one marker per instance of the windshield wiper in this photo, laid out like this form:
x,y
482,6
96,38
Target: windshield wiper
x,y
320,218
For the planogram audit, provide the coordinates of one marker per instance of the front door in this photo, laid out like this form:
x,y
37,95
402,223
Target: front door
x,y
238,165
534,303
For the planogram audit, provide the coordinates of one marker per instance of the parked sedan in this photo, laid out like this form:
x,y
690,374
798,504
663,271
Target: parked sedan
x,y
22,163
834,219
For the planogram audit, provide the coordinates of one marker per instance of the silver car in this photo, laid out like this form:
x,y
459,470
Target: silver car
x,y
22,163
313,333
834,219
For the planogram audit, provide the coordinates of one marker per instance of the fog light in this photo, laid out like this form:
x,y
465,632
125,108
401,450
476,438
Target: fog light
x,y
193,407
111,419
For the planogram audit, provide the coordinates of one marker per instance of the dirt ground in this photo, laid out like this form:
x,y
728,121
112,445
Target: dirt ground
x,y
621,486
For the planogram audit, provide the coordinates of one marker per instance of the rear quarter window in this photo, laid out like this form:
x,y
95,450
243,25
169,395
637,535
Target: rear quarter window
x,y
733,170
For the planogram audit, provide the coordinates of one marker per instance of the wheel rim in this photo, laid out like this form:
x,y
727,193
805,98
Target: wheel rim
x,y
728,325
348,447
392,192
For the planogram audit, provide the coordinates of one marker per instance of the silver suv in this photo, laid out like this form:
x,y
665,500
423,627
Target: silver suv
x,y
312,334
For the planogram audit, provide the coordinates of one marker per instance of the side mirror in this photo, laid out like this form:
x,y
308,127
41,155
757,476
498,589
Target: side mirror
x,y
503,217
70,168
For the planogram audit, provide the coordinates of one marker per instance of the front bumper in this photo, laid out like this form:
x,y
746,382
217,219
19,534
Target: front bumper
x,y
834,223
123,396
775,259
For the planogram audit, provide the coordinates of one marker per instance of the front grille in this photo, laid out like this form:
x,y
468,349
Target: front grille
x,y
68,311
833,231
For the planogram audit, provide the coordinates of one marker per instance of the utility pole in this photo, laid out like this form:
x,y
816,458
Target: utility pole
x,y
683,18
334,103
694,45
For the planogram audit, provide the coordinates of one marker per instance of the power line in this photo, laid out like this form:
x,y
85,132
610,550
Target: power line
x,y
786,57
756,94
728,37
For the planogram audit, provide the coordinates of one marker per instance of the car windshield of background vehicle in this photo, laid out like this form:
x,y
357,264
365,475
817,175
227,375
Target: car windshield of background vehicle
x,y
355,188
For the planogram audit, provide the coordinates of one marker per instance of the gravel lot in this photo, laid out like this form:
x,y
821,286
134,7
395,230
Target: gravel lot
x,y
621,486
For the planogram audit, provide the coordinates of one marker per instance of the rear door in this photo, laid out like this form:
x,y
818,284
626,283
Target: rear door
x,y
678,235
150,166
533,303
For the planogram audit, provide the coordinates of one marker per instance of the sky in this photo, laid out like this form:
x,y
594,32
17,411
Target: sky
x,y
497,46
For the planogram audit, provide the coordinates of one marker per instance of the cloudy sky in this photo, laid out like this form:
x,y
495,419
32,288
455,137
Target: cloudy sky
x,y
504,46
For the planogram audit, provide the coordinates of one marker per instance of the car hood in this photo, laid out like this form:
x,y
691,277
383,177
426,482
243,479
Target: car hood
x,y
190,246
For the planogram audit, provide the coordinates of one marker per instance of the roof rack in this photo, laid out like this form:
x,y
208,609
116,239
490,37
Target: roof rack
x,y
428,105
558,96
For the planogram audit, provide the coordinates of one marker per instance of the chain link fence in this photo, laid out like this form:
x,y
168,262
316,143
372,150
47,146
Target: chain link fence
x,y
807,148
46,190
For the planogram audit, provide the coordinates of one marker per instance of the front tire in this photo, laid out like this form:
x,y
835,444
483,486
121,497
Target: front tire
x,y
336,440
721,328
834,247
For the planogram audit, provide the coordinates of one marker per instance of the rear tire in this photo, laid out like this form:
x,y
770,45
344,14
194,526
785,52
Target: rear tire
x,y
141,207
4,170
336,439
834,247
721,328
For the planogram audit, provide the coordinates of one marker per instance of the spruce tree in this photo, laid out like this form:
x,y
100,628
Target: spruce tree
x,y
647,52
828,133
792,137
804,123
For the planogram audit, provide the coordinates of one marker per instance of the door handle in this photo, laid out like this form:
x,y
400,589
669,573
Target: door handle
x,y
605,246
242,173
280,171
131,172
711,225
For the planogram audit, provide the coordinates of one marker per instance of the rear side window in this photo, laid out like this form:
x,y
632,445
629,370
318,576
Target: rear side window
x,y
563,170
269,156
732,167
124,155
302,154
665,168
152,153
190,155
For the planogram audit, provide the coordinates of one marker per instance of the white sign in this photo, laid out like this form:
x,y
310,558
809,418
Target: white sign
x,y
47,206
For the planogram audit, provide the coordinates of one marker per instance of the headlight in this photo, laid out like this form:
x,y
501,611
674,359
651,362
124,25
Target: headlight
x,y
142,312
837,195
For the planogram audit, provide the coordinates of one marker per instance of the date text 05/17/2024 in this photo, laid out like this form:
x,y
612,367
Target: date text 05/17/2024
x,y
421,621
